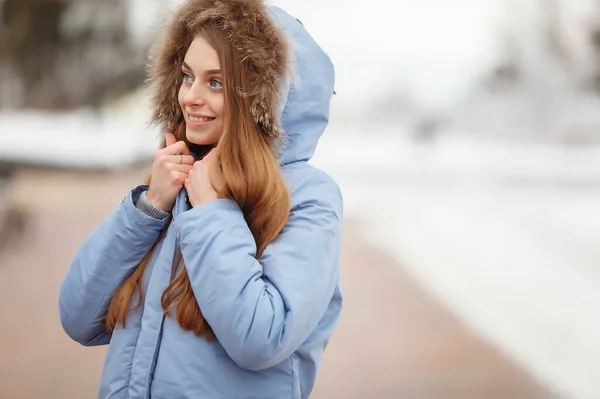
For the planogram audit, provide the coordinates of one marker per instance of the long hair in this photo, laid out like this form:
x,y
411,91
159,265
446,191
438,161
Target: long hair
x,y
253,179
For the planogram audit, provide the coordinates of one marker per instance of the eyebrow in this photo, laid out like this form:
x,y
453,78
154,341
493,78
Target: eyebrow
x,y
209,72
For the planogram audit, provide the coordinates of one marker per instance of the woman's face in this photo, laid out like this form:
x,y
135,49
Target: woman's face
x,y
201,94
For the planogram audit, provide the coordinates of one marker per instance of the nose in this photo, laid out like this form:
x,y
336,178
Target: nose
x,y
195,95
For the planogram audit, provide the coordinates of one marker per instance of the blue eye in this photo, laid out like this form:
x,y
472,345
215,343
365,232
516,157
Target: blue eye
x,y
215,84
187,78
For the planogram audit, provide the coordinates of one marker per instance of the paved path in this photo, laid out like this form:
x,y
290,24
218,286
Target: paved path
x,y
393,341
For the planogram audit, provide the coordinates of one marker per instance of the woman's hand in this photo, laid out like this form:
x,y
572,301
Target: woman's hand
x,y
198,186
169,172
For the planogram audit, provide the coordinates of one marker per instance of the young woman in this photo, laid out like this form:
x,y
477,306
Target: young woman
x,y
220,279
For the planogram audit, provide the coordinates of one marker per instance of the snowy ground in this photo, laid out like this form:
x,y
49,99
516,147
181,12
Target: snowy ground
x,y
504,234
116,136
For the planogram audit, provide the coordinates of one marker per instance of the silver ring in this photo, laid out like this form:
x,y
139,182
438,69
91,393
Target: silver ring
x,y
180,158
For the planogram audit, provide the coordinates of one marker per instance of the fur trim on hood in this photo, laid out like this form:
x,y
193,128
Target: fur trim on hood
x,y
258,41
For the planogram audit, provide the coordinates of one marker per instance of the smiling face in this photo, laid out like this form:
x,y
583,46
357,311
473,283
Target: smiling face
x,y
201,94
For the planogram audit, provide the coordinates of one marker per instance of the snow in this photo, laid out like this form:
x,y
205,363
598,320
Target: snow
x,y
504,235
114,137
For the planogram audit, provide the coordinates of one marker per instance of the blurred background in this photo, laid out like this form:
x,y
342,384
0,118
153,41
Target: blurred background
x,y
465,135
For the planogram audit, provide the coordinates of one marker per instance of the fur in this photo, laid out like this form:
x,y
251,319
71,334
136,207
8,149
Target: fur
x,y
258,42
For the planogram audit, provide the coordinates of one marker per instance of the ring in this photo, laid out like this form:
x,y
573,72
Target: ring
x,y
180,158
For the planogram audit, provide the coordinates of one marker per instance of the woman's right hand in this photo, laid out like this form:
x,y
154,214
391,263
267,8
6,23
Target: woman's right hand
x,y
169,172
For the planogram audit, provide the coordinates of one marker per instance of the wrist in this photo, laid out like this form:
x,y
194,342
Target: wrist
x,y
144,205
150,196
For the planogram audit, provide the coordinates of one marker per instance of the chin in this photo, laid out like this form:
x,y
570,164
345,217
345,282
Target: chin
x,y
201,139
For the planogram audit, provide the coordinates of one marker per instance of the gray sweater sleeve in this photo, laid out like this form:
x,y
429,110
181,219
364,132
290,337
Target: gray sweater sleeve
x,y
144,205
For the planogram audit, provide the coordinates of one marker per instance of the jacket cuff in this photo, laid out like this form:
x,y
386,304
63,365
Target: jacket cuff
x,y
136,215
144,205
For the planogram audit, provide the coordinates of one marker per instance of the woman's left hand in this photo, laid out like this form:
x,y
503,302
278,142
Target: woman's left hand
x,y
197,185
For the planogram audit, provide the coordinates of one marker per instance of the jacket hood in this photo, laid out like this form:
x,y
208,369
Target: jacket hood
x,y
307,93
291,82
258,43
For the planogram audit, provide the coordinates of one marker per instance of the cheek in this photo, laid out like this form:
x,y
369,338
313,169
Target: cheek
x,y
180,96
219,106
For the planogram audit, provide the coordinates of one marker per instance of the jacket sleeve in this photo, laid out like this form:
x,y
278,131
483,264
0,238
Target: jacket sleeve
x,y
261,314
101,264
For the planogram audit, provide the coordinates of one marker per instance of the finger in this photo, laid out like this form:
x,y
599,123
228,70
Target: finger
x,y
170,139
182,168
178,147
210,155
182,160
179,177
168,161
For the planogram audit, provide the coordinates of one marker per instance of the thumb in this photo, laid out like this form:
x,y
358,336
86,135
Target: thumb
x,y
210,155
169,139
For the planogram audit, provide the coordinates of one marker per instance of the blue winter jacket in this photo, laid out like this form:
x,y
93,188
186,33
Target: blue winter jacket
x,y
272,319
